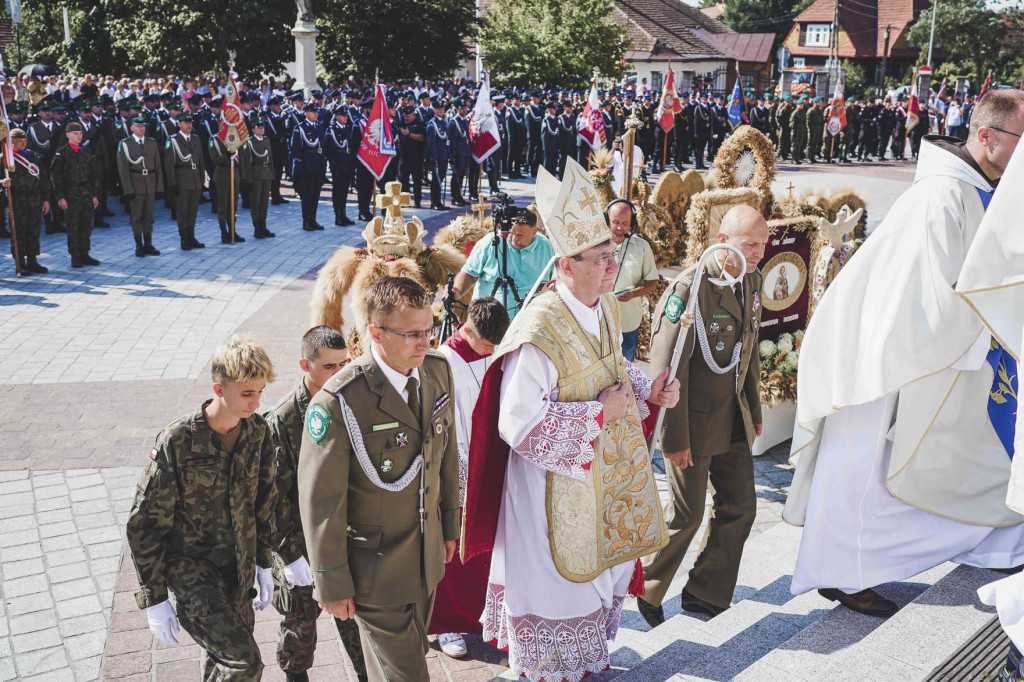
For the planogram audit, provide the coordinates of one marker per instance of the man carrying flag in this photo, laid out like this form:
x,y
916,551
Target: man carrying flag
x,y
737,109
28,186
377,145
668,107
913,118
232,133
591,124
484,136
835,137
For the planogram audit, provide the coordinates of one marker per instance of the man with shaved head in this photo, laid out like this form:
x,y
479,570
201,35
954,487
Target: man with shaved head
x,y
709,433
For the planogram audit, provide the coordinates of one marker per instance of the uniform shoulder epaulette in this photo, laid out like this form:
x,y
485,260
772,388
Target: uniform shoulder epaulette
x,y
342,379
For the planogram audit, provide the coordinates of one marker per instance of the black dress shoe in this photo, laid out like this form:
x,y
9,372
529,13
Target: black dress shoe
x,y
309,227
34,266
89,260
696,605
654,615
297,677
346,221
867,601
317,226
277,201
365,216
99,222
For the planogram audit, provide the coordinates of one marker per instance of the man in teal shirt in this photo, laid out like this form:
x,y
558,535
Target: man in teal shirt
x,y
528,253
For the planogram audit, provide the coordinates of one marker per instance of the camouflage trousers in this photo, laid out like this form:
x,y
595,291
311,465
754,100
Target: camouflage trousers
x,y
296,640
222,625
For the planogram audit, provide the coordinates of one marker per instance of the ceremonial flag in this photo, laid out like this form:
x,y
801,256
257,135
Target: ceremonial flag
x,y
984,87
942,90
5,127
736,106
232,131
669,105
913,109
837,118
484,135
378,143
592,129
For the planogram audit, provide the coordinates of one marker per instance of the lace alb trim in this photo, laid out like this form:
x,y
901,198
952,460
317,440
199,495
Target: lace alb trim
x,y
562,442
641,389
463,475
551,649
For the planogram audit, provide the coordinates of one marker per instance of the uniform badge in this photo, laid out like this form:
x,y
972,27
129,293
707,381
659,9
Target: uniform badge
x,y
317,422
438,428
728,328
401,440
152,455
386,466
757,302
720,346
714,328
674,308
441,403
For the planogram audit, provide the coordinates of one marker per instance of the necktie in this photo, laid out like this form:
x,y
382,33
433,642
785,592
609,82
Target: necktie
x,y
414,396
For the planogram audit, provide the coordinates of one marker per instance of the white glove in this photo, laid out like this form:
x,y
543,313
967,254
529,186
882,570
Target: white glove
x,y
163,622
265,586
299,573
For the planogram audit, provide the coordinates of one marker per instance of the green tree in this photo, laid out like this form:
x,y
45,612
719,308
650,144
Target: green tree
x,y
91,49
856,82
550,41
763,16
969,34
401,38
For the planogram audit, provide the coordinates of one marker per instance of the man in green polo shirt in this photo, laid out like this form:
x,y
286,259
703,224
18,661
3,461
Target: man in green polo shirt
x,y
528,253
638,273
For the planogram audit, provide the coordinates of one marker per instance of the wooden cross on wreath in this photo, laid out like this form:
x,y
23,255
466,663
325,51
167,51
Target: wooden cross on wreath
x,y
481,208
393,199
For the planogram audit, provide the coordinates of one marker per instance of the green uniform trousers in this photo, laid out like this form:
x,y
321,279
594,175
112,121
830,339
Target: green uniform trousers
x,y
259,199
186,202
79,217
394,639
222,625
141,207
28,223
713,576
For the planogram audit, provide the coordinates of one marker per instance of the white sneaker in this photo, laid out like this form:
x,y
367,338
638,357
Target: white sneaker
x,y
453,645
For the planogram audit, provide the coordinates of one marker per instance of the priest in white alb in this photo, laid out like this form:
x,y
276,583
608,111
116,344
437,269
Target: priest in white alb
x,y
901,447
561,489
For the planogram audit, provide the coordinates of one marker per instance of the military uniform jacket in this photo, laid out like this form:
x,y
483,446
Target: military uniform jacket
x,y
458,137
30,181
202,515
256,159
287,422
437,140
74,174
222,160
702,121
363,541
139,166
185,166
94,139
709,402
44,141
307,151
342,146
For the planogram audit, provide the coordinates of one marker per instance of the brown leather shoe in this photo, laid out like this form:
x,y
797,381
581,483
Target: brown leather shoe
x,y
866,601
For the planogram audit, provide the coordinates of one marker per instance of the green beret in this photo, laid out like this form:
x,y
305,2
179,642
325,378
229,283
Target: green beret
x,y
818,98
850,99
787,98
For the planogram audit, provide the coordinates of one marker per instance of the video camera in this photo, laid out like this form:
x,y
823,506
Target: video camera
x,y
504,213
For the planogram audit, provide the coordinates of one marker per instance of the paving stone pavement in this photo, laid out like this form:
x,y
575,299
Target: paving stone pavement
x,y
97,361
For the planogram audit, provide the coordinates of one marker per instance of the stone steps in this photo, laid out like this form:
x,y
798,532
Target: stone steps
x,y
942,615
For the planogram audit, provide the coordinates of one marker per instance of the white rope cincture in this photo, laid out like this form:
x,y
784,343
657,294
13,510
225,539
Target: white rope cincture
x,y
356,438
135,162
177,150
305,140
252,148
705,349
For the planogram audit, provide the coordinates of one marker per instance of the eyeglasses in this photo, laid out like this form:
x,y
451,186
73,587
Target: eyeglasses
x,y
428,335
1004,131
604,261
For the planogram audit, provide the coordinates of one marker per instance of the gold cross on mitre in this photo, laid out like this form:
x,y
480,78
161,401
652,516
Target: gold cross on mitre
x,y
393,199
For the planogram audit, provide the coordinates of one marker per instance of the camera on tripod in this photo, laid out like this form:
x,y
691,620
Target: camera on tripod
x,y
504,213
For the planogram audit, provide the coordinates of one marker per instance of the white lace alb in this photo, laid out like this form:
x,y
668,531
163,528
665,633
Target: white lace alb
x,y
562,442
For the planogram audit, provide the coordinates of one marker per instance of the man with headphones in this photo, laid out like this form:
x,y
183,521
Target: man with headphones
x,y
638,273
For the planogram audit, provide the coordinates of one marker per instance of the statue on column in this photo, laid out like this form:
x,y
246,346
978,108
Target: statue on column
x,y
305,11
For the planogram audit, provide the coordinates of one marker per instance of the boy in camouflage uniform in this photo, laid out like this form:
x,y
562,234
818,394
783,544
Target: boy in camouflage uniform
x,y
323,355
202,526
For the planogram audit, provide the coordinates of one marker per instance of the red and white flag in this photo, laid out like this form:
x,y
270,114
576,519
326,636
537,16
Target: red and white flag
x,y
942,90
837,115
484,136
669,105
984,87
592,126
232,129
378,143
913,109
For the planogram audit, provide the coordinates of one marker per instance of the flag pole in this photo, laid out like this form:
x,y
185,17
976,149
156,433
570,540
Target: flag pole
x,y
231,173
14,230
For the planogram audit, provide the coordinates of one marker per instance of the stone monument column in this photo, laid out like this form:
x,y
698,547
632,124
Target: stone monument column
x,y
305,46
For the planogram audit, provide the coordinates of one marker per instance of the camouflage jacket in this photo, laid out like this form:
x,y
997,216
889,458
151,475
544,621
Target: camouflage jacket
x,y
286,421
201,514
74,174
27,190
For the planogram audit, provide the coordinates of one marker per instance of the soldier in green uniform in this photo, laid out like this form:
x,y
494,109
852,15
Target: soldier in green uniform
x,y
29,185
202,526
142,178
323,355
815,129
709,433
257,165
379,482
783,119
227,197
798,130
183,159
75,175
